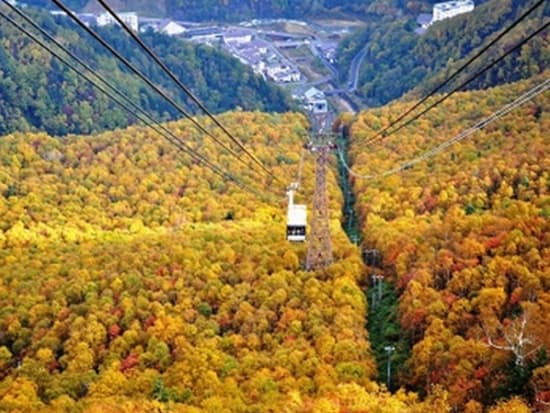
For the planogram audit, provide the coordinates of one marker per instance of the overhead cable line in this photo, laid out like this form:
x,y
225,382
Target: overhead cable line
x,y
136,71
143,116
467,82
382,133
525,97
182,86
300,167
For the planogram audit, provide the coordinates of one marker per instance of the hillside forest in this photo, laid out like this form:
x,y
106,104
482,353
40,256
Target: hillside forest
x,y
464,238
421,62
133,279
238,10
41,93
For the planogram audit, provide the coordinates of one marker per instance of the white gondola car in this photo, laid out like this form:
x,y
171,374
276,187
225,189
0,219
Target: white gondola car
x,y
296,218
296,223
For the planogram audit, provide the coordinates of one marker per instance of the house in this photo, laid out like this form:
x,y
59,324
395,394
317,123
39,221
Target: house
x,y
448,9
171,28
238,36
327,49
257,54
130,18
253,60
260,46
252,57
311,98
291,75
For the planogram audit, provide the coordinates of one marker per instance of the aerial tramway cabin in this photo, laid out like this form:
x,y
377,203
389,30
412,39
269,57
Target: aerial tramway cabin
x,y
296,218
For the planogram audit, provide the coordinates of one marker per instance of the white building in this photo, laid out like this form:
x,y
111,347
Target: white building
x,y
282,73
171,28
292,75
327,49
238,36
131,19
448,9
253,54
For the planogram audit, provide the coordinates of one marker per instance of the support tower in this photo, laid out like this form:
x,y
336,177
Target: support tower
x,y
319,251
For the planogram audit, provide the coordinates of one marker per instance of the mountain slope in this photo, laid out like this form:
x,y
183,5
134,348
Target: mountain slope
x,y
40,93
130,276
395,52
464,238
238,10
135,280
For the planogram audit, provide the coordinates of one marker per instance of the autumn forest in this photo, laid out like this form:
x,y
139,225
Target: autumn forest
x,y
133,279
145,266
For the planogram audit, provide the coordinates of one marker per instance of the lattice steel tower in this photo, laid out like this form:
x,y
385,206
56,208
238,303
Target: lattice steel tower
x,y
319,251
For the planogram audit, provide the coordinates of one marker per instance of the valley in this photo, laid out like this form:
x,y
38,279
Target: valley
x,y
149,259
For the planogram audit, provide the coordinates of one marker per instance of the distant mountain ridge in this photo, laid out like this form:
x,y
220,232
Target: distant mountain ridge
x,y
237,10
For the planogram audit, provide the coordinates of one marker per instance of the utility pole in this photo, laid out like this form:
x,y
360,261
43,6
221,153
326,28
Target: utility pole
x,y
376,286
319,251
389,350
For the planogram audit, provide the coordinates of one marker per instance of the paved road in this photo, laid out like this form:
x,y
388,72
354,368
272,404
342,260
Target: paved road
x,y
354,69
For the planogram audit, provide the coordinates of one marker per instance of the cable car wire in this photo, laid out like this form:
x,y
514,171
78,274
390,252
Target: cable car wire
x,y
471,79
525,97
144,116
182,86
456,73
300,167
138,73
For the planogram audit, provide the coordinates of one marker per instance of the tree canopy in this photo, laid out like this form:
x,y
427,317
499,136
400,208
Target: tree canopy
x,y
40,93
465,238
398,60
133,279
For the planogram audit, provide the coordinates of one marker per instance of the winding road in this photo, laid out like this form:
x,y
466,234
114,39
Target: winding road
x,y
353,76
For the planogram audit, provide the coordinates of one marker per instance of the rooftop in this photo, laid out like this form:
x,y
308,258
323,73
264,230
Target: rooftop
x,y
314,94
238,33
203,31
